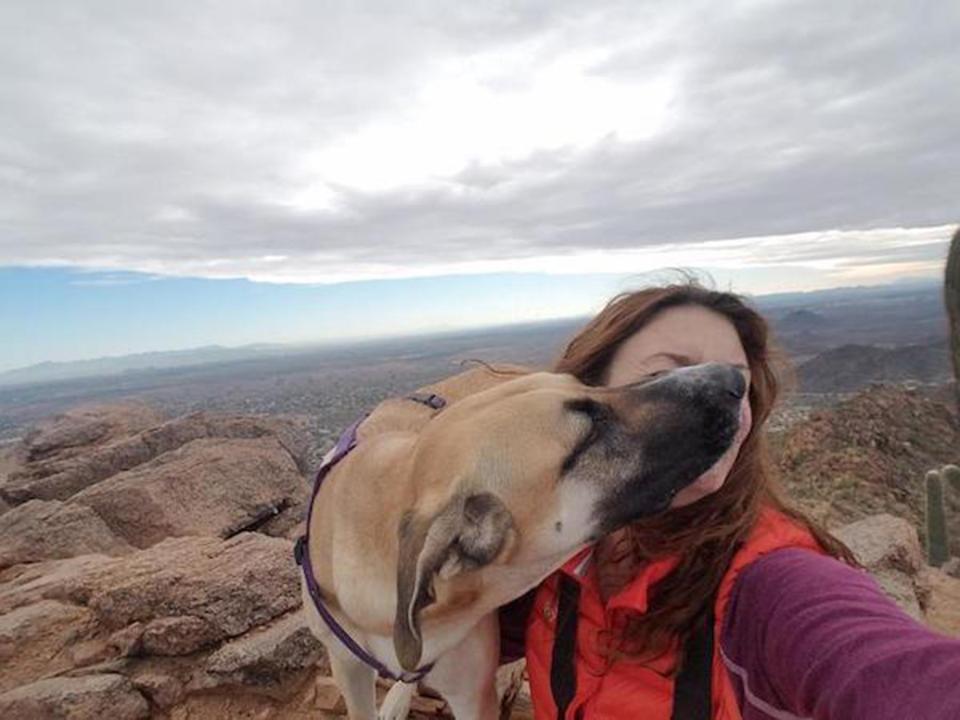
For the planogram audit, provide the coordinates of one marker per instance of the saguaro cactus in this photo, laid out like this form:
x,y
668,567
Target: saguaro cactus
x,y
938,542
951,297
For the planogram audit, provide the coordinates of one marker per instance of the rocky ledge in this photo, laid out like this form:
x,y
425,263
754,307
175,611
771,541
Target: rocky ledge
x,y
146,568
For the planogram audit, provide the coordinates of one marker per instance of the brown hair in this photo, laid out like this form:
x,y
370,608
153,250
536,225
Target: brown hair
x,y
707,533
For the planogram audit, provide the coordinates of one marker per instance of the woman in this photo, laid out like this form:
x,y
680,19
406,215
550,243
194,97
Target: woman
x,y
730,604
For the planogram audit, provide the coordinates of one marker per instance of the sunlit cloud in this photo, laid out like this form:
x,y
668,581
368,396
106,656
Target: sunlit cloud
x,y
488,108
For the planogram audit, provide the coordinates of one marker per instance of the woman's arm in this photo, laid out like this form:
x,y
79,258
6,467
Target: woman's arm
x,y
806,636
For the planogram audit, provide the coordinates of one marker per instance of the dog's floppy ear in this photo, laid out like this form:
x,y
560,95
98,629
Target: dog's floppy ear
x,y
468,533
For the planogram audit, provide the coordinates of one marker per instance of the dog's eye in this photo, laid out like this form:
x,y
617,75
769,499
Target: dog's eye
x,y
650,377
591,408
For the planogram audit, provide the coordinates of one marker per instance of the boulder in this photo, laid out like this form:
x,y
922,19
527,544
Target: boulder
x,y
941,596
884,542
179,598
33,639
269,656
952,567
889,548
210,486
181,635
231,585
44,530
91,697
900,588
164,691
68,580
80,428
66,474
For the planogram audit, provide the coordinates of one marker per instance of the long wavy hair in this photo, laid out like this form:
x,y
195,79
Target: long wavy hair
x,y
707,533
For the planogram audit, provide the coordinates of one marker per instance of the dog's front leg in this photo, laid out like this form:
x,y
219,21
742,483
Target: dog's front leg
x,y
357,683
396,705
466,674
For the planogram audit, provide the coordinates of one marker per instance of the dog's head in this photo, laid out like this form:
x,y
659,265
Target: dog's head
x,y
513,480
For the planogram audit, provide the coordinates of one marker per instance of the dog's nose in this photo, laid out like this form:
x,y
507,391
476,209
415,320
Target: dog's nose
x,y
731,379
722,379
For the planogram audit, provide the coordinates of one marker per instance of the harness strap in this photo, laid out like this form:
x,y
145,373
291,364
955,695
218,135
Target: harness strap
x,y
693,689
301,550
692,695
563,675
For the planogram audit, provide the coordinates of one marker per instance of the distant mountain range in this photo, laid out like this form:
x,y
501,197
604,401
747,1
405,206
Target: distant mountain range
x,y
98,367
805,324
850,367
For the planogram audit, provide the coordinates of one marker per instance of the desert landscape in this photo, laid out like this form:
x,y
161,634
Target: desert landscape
x,y
147,513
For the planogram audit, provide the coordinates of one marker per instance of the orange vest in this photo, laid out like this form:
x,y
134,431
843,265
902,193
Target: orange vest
x,y
626,689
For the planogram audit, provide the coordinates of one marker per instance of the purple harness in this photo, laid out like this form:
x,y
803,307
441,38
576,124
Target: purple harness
x,y
301,551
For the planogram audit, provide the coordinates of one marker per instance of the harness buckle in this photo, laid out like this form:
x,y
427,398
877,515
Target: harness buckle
x,y
432,400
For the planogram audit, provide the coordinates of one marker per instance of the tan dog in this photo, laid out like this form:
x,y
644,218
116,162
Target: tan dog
x,y
437,518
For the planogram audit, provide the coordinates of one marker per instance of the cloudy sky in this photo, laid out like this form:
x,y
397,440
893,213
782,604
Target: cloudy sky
x,y
292,171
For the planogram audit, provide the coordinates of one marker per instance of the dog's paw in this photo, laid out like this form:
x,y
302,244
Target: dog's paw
x,y
396,705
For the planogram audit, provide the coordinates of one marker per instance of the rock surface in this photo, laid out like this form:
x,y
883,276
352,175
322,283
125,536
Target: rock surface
x,y
206,487
231,585
34,640
889,548
941,596
75,698
146,570
60,471
267,656
869,454
49,529
130,554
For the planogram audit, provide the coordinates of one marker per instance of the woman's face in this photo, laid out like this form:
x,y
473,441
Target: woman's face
x,y
686,335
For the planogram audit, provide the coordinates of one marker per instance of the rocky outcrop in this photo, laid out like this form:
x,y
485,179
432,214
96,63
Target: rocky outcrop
x,y
231,585
889,548
267,657
78,430
869,455
192,601
941,599
41,530
34,640
206,487
137,566
59,471
112,482
74,698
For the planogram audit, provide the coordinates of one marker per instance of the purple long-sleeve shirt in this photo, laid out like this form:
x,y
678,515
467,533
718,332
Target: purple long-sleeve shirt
x,y
806,636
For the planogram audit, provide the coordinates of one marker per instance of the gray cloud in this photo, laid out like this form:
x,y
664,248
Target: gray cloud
x,y
165,139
